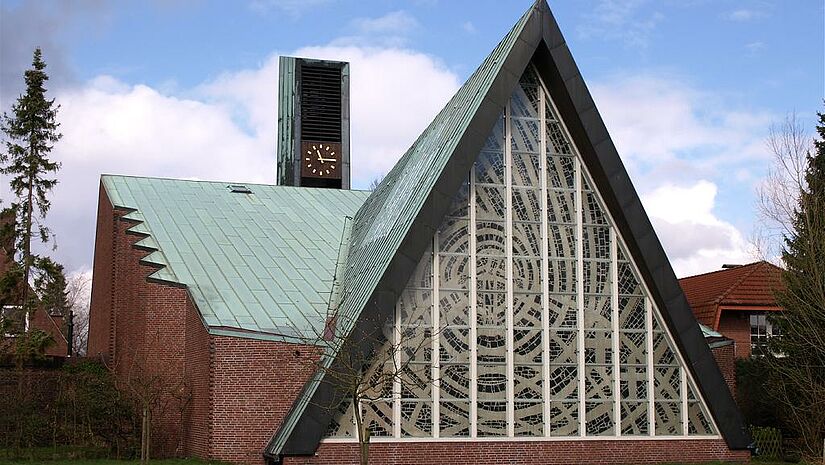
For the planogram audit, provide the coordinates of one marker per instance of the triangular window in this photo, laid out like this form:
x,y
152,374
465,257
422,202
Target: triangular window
x,y
540,323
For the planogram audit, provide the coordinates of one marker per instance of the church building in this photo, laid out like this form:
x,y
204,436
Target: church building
x,y
500,297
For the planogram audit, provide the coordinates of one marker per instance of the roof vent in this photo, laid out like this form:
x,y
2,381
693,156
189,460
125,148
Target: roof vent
x,y
728,266
239,189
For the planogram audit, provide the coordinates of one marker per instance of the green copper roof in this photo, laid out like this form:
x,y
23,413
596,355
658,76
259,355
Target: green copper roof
x,y
385,219
260,264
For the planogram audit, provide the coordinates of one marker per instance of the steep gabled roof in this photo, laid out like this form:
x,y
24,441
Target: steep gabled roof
x,y
750,285
258,264
394,226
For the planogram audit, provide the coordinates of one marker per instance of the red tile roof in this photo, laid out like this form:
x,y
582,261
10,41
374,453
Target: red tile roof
x,y
750,285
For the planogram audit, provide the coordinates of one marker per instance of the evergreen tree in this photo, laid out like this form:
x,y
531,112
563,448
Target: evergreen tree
x,y
31,132
50,284
799,353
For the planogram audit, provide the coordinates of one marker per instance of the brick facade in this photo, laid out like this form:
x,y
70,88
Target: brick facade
x,y
227,395
736,326
54,326
726,359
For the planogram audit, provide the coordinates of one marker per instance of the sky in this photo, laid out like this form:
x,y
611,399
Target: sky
x,y
188,89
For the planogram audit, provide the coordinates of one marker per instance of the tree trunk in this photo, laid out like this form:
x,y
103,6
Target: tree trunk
x,y
145,429
27,241
363,434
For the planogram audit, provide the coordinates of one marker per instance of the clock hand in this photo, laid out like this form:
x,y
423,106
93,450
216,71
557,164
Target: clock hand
x,y
319,156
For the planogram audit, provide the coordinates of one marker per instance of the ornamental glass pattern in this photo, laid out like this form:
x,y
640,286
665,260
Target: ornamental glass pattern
x,y
526,317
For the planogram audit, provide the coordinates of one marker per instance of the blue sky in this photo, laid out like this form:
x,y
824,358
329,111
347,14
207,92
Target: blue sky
x,y
687,88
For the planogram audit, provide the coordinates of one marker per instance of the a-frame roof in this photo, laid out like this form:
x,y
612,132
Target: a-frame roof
x,y
750,286
392,229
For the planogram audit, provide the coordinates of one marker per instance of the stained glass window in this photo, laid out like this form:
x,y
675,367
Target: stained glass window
x,y
527,316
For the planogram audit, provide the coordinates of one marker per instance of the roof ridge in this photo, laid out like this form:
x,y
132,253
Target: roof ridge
x,y
755,266
724,270
222,181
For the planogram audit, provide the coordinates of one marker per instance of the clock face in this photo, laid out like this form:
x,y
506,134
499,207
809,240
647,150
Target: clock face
x,y
320,160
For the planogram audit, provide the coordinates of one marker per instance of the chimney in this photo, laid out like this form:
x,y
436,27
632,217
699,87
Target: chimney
x,y
313,123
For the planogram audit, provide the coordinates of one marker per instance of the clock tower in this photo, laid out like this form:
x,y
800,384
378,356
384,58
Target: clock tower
x,y
313,123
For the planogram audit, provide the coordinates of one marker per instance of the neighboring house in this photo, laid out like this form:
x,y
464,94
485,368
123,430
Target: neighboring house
x,y
735,301
510,229
51,323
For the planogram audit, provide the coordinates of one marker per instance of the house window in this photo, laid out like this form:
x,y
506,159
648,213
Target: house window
x,y
761,332
15,320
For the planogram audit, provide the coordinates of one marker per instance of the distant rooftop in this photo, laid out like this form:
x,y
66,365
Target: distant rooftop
x,y
742,285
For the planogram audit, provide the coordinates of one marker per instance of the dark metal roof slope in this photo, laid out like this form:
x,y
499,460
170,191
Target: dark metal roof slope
x,y
392,229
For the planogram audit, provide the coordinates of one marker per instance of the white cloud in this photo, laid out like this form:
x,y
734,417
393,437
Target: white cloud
x,y
754,47
469,27
669,128
681,145
225,129
744,14
292,7
620,20
694,237
396,22
391,30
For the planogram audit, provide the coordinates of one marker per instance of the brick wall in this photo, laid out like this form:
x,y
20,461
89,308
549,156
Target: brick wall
x,y
199,414
254,384
41,320
151,335
736,326
726,359
100,342
528,452
228,395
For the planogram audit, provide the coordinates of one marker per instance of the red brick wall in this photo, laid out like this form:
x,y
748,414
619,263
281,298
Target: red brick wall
x,y
726,359
41,320
149,331
100,341
198,415
254,384
736,326
532,452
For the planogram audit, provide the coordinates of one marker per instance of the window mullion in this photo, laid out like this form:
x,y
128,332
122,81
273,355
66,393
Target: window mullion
x,y
545,278
614,304
651,408
473,312
508,182
435,324
396,383
580,294
684,398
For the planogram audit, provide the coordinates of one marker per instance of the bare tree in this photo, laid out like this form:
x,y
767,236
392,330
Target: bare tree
x,y
792,213
778,194
364,360
375,183
79,298
154,385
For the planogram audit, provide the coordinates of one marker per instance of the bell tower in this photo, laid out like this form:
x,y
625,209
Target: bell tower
x,y
313,123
